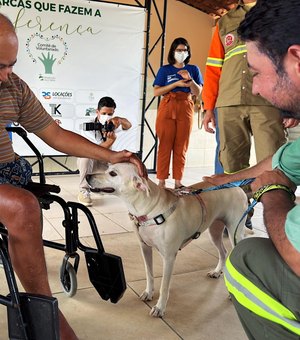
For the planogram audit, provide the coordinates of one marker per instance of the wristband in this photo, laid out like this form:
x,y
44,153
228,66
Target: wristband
x,y
258,194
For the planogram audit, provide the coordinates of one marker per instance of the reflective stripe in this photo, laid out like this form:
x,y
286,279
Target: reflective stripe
x,y
216,62
257,301
241,49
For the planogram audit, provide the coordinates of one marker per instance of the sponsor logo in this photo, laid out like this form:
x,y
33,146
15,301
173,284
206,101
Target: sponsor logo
x,y
90,111
62,94
50,51
46,94
66,95
55,110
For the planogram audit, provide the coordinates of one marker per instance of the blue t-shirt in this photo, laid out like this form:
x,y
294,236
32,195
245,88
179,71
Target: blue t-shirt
x,y
167,75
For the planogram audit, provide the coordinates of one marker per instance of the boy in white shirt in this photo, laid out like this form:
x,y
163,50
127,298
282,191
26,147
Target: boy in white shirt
x,y
101,136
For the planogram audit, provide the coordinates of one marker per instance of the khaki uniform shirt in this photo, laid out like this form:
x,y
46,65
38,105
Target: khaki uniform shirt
x,y
235,86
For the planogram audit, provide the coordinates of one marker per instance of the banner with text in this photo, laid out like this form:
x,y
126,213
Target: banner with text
x,y
72,53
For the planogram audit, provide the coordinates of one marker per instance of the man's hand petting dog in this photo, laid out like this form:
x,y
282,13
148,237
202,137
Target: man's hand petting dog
x,y
127,156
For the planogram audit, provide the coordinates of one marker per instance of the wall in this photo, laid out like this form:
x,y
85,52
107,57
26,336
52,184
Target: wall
x,y
183,21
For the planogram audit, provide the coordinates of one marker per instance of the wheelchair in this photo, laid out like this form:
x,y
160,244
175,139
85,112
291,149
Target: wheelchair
x,y
105,270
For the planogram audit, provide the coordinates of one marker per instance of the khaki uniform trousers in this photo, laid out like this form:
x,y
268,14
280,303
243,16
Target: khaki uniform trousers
x,y
174,124
237,124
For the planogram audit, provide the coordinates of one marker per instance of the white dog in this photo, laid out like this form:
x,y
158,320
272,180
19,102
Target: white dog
x,y
166,221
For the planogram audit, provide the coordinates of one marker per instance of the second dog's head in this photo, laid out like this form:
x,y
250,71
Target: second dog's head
x,y
120,179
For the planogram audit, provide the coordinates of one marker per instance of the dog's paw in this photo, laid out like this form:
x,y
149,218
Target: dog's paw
x,y
157,312
214,274
146,296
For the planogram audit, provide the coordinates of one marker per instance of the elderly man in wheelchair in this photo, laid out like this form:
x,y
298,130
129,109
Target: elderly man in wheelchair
x,y
20,211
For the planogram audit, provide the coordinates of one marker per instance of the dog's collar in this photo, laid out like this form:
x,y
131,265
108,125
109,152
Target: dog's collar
x,y
144,221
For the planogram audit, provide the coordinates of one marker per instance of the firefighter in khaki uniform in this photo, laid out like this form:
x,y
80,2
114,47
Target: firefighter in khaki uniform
x,y
228,87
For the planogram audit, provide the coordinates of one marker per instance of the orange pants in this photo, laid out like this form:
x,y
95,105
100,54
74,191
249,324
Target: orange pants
x,y
174,124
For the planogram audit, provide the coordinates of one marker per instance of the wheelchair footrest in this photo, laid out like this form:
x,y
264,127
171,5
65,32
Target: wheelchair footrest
x,y
40,316
106,274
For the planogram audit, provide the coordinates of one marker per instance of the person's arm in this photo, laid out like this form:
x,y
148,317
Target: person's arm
x,y
161,90
125,123
110,138
277,204
73,144
209,118
195,88
160,87
252,172
213,70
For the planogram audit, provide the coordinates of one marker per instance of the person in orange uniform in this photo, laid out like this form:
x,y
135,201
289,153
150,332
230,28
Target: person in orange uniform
x,y
176,82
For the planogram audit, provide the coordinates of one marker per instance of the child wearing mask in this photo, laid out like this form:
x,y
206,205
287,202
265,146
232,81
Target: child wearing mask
x,y
104,115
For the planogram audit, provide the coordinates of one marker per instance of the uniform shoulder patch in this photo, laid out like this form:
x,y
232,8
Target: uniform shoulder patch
x,y
229,39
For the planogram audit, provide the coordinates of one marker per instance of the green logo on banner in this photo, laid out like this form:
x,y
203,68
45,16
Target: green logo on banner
x,y
49,50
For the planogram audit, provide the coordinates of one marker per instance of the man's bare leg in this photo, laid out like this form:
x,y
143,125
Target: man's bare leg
x,y
20,213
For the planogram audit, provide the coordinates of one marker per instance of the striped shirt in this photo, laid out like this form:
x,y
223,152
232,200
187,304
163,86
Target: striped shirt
x,y
19,104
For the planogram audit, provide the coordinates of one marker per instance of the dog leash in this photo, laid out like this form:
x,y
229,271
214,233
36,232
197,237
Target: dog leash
x,y
250,207
257,195
144,221
189,190
234,184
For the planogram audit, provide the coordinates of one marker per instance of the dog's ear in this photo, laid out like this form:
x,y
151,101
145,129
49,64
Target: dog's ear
x,y
141,184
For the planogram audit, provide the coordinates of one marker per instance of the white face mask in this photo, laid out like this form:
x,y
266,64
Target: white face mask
x,y
104,118
181,56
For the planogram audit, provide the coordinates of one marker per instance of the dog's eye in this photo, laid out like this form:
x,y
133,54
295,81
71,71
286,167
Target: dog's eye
x,y
113,173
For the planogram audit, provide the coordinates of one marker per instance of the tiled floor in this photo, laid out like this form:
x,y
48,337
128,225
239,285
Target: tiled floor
x,y
198,306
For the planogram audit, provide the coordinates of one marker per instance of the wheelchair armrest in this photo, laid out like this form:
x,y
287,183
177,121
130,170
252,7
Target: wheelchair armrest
x,y
39,189
43,193
20,131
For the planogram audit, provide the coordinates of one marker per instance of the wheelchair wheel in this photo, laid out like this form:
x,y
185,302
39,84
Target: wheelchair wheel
x,y
68,279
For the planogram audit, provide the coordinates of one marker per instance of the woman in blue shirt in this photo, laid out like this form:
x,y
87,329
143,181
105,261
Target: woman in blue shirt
x,y
176,82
